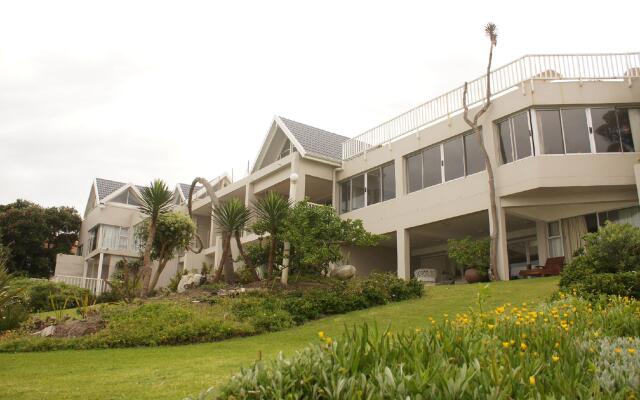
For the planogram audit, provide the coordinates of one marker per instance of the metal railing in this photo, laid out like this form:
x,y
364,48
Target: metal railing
x,y
95,285
554,67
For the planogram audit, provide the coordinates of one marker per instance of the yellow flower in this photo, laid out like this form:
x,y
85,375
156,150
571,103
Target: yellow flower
x,y
555,358
505,345
321,335
500,310
491,327
512,341
523,346
557,345
617,350
532,380
631,351
329,340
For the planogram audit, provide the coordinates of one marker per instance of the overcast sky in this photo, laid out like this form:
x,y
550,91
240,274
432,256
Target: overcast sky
x,y
131,91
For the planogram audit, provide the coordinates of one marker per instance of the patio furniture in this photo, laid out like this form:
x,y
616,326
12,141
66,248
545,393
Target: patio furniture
x,y
426,275
552,267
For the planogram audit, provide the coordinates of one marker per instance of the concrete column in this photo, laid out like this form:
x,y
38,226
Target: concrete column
x,y
99,277
400,177
295,194
218,253
212,232
85,267
634,122
541,239
503,254
403,249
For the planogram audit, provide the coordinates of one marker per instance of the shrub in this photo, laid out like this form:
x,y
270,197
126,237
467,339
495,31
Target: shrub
x,y
565,349
13,315
38,294
469,253
614,249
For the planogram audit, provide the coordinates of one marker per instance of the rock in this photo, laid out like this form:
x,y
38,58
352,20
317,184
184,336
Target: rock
x,y
343,272
46,332
189,281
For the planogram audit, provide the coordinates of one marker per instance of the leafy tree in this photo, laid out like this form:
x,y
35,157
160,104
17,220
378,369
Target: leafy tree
x,y
316,234
469,252
231,217
174,232
35,235
491,31
155,201
272,211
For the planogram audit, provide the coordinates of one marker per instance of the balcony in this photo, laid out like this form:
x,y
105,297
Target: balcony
x,y
517,74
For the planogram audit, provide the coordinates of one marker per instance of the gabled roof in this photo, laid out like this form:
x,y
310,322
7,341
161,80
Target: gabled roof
x,y
184,189
316,141
309,141
105,187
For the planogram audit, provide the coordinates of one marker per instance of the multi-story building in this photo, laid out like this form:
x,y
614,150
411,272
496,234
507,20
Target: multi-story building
x,y
562,135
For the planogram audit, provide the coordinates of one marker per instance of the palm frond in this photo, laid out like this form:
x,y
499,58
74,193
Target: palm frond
x,y
491,30
155,199
231,216
271,211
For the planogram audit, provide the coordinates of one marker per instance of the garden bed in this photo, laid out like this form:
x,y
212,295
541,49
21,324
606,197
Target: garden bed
x,y
203,316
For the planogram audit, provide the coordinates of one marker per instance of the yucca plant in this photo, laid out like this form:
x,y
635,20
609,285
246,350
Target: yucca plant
x,y
271,211
8,291
155,200
231,217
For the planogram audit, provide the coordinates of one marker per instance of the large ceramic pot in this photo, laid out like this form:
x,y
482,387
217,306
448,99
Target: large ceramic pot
x,y
472,275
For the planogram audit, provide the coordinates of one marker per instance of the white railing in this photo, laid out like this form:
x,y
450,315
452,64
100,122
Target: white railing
x,y
95,286
574,67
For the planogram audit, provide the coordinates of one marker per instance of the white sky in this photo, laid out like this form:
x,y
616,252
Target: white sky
x,y
131,91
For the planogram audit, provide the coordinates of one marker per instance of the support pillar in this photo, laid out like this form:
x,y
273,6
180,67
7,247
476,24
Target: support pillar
x,y
296,193
85,267
403,249
99,277
218,254
502,253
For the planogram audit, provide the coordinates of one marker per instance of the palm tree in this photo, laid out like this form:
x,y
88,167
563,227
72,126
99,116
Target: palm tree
x,y
231,217
491,31
271,210
155,200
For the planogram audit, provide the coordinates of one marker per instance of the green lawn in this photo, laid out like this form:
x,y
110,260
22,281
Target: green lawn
x,y
175,372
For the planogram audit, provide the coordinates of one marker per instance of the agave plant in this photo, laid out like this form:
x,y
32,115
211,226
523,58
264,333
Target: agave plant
x,y
155,200
231,217
272,211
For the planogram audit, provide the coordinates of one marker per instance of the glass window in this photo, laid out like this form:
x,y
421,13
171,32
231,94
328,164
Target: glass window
x,y
286,149
357,192
123,240
521,135
453,159
414,172
592,222
474,160
555,239
93,243
576,130
550,131
373,186
388,182
605,130
506,147
345,196
432,166
624,127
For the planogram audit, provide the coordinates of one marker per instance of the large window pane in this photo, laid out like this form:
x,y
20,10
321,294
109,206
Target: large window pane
x,y
373,186
345,196
605,130
576,131
432,166
474,159
521,135
624,127
550,130
506,151
453,159
389,182
357,192
414,172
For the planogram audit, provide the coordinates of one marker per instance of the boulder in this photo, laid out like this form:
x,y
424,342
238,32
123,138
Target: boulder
x,y
189,281
343,272
46,332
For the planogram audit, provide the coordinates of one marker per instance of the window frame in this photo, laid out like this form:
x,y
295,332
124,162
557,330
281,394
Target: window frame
x,y
555,237
365,174
510,119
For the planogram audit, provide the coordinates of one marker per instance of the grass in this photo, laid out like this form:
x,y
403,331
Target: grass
x,y
178,371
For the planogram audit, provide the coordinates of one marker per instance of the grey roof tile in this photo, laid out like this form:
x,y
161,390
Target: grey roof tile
x,y
316,141
184,187
106,187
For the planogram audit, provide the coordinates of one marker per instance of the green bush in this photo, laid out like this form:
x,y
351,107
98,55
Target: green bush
x,y
13,315
37,292
566,349
613,250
